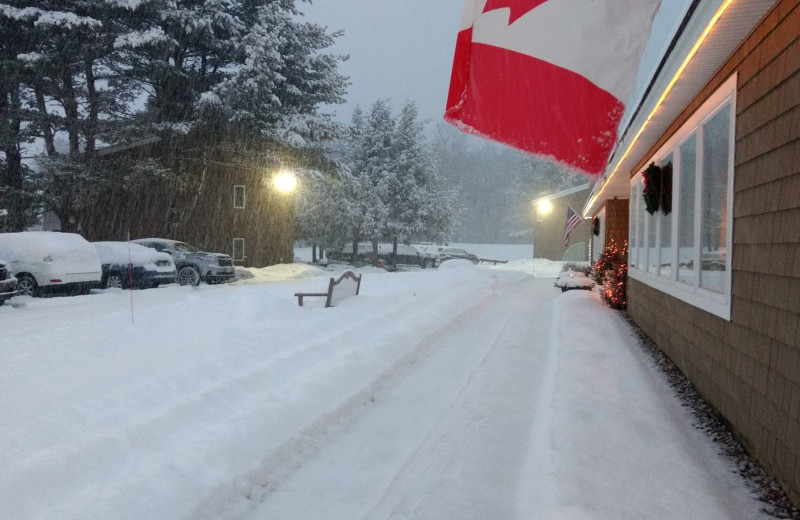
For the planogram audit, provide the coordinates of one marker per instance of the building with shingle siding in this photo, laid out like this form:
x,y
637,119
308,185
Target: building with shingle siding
x,y
715,282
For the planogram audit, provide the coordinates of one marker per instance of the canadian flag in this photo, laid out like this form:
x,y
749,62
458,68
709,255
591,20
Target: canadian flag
x,y
550,77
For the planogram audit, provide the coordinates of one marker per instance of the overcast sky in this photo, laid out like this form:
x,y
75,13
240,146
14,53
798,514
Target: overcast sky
x,y
400,50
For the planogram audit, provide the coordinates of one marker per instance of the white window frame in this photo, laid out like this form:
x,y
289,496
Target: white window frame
x,y
710,301
244,196
233,252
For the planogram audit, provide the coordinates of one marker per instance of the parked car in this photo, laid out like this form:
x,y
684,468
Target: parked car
x,y
193,265
406,255
8,282
571,279
124,264
50,261
450,253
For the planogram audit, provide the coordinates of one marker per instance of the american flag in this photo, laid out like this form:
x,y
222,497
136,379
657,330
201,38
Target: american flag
x,y
573,219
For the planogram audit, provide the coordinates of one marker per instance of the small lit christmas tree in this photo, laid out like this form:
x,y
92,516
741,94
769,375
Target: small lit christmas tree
x,y
611,271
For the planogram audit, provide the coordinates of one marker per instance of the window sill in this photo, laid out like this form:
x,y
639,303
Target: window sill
x,y
711,302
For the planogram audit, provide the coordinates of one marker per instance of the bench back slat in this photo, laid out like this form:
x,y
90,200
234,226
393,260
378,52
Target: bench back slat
x,y
347,285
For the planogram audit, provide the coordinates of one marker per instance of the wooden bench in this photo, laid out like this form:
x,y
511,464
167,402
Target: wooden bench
x,y
347,285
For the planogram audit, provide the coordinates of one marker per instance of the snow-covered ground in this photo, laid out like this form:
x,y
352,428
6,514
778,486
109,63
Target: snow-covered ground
x,y
464,392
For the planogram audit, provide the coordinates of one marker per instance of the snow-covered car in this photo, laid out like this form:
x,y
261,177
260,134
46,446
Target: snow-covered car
x,y
450,253
124,264
8,282
570,279
407,255
50,261
193,265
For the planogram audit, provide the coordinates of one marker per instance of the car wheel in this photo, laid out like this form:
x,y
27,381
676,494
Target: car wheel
x,y
428,264
26,285
115,281
188,275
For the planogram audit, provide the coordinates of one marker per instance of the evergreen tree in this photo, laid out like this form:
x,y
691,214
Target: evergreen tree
x,y
419,206
611,271
284,79
16,197
387,187
73,73
374,165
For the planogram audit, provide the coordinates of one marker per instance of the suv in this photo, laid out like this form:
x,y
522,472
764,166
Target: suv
x,y
51,261
127,264
8,282
192,264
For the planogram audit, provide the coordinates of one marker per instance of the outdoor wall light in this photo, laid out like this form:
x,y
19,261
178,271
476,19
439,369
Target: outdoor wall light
x,y
285,182
544,207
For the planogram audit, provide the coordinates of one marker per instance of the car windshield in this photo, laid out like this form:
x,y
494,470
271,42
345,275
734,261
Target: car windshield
x,y
183,247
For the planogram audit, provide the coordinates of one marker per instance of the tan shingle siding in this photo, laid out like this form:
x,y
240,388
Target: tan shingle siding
x,y
749,367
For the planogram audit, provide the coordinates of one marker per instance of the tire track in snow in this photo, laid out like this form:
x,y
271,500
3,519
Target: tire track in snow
x,y
409,455
159,433
240,495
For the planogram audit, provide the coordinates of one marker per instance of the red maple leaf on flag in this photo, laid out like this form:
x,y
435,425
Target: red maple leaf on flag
x,y
519,8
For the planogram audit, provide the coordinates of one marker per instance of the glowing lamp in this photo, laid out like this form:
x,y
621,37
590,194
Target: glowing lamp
x,y
544,207
285,182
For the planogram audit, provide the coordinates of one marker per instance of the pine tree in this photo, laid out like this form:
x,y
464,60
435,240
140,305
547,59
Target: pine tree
x,y
387,187
75,71
611,271
284,79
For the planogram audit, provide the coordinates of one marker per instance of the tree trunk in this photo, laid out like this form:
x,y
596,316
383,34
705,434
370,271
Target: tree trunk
x,y
47,128
356,238
70,104
94,109
11,177
394,253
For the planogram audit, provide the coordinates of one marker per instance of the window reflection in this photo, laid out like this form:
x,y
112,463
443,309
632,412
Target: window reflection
x,y
665,249
714,203
685,210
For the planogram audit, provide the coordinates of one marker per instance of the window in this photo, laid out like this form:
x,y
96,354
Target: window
x,y
685,217
238,250
714,202
665,234
238,196
686,252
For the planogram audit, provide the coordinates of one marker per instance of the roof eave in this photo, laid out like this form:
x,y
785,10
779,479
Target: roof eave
x,y
715,30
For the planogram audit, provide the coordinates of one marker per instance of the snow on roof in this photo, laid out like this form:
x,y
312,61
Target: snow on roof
x,y
564,193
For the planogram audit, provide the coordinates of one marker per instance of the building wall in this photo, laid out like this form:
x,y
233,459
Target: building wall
x,y
197,205
548,234
617,220
613,216
748,368
266,223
